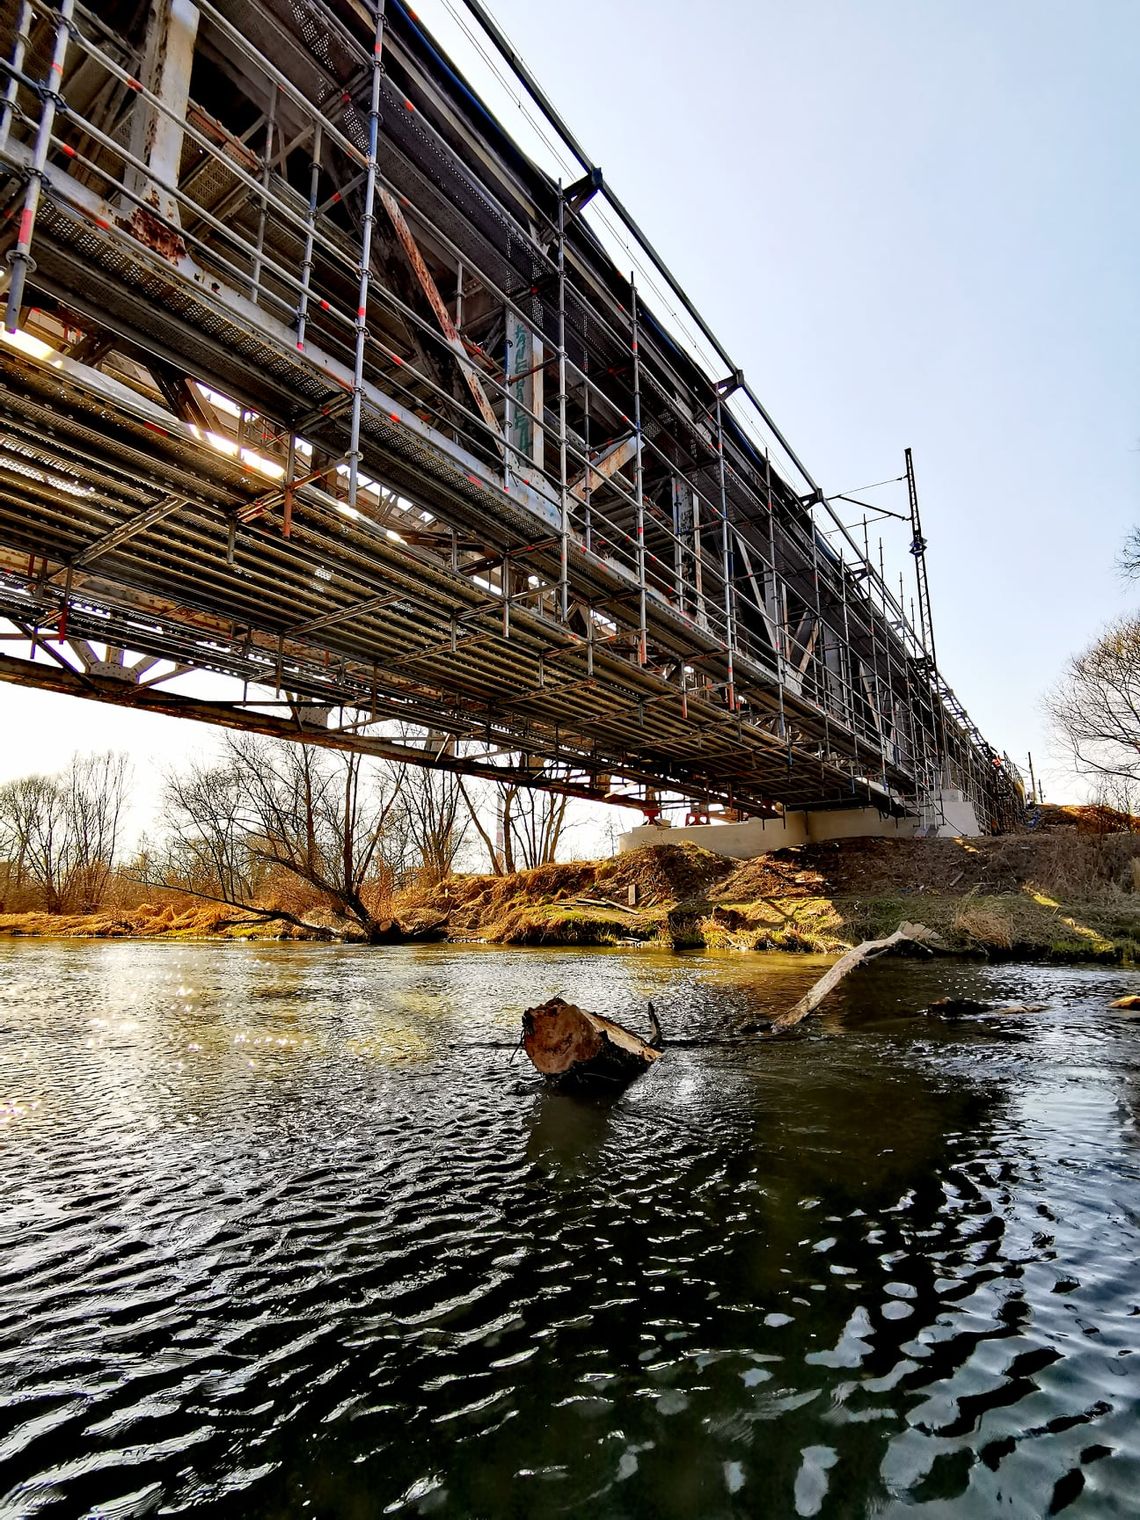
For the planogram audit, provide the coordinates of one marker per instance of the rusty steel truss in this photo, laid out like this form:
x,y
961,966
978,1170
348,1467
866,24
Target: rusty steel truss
x,y
311,378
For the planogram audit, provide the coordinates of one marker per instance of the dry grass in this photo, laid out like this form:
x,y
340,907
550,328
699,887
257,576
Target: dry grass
x,y
987,924
147,921
1060,897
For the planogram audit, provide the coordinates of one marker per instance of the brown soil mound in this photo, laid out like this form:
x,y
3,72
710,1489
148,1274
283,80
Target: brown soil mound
x,y
663,873
786,873
1088,819
1068,865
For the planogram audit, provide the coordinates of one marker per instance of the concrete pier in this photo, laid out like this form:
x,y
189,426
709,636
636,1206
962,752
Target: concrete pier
x,y
759,836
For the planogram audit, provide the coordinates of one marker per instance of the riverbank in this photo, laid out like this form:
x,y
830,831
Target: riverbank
x,y
1061,896
1024,897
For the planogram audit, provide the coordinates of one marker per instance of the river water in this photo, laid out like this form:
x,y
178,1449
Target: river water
x,y
283,1232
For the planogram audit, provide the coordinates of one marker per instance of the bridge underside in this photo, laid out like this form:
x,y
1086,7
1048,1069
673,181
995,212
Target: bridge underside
x,y
384,436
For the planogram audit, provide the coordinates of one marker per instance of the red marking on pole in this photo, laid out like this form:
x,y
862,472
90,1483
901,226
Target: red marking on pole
x,y
57,68
133,84
361,311
26,219
334,198
396,359
324,305
395,416
62,625
408,106
301,346
70,152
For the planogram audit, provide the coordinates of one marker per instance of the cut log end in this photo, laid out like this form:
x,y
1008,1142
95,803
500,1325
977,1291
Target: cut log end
x,y
574,1048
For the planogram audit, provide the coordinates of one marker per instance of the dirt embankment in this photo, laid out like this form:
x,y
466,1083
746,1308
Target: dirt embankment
x,y
1064,896
1056,894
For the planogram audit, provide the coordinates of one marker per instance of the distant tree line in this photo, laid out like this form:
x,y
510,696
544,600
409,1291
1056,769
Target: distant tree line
x,y
60,835
274,829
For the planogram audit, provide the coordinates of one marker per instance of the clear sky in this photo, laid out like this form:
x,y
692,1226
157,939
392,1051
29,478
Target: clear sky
x,y
910,222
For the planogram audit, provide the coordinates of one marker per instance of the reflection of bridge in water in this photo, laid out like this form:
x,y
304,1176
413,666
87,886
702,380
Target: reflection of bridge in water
x,y
321,384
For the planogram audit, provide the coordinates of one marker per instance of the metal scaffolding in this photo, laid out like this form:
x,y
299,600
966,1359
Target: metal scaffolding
x,y
314,380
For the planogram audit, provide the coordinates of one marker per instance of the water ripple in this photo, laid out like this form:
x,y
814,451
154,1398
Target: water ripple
x,y
282,1237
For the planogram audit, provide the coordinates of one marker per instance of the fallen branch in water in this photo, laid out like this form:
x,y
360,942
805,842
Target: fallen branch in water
x,y
870,949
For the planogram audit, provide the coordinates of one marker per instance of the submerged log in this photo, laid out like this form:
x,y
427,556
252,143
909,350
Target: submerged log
x,y
955,1007
915,934
583,1051
952,1007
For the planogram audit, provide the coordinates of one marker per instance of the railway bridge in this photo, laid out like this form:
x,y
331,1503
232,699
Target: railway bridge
x,y
312,379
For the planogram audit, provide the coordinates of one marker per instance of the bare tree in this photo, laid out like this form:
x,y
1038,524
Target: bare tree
x,y
273,805
208,850
1114,799
532,824
33,835
529,825
1096,706
96,789
1128,560
472,800
61,834
438,820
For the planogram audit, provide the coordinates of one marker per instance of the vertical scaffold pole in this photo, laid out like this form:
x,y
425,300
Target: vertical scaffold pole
x,y
729,633
366,258
19,47
876,680
263,214
638,476
926,619
310,235
698,564
847,693
821,640
782,630
587,520
893,739
563,484
21,256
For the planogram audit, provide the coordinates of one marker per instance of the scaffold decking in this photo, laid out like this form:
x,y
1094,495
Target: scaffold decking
x,y
313,379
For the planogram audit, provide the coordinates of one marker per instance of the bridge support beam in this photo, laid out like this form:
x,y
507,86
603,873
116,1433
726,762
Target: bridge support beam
x,y
156,129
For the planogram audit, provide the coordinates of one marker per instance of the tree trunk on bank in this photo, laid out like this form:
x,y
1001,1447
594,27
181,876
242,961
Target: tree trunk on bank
x,y
581,1051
